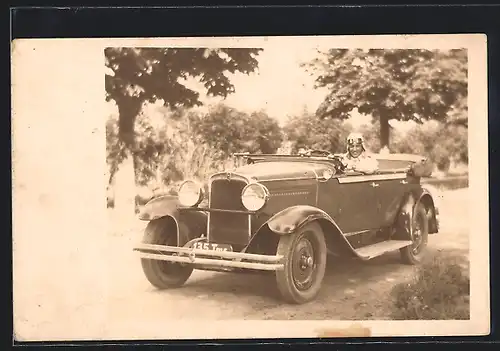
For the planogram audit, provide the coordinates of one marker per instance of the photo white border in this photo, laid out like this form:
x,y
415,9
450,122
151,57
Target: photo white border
x,y
58,103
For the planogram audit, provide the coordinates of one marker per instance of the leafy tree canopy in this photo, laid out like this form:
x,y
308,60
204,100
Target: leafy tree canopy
x,y
229,130
151,74
306,131
409,84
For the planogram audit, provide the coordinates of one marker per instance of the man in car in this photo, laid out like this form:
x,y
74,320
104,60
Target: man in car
x,y
356,158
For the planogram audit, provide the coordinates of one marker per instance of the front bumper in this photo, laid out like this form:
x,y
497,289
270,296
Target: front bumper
x,y
210,258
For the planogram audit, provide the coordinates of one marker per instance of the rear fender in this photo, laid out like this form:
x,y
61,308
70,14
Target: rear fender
x,y
290,220
405,214
188,224
402,223
429,197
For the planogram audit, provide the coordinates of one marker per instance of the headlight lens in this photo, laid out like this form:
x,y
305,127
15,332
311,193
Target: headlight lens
x,y
190,194
254,196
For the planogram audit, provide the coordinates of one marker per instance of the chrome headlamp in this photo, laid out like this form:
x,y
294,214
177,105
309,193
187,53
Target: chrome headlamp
x,y
190,193
254,196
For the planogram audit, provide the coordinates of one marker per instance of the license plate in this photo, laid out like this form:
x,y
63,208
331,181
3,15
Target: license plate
x,y
212,246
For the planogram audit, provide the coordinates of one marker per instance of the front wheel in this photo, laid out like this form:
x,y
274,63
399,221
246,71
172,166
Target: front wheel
x,y
415,253
163,274
305,264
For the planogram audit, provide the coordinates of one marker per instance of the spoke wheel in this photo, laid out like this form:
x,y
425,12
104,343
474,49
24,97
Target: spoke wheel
x,y
417,238
163,274
415,253
305,264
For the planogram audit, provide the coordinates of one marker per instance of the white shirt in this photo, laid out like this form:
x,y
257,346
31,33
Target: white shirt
x,y
363,163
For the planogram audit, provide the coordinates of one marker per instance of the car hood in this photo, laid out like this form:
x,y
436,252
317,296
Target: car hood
x,y
262,171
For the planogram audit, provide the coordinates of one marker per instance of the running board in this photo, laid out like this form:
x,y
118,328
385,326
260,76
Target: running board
x,y
378,249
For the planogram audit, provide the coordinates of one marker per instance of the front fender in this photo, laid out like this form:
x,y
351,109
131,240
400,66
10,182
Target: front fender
x,y
293,218
190,224
158,207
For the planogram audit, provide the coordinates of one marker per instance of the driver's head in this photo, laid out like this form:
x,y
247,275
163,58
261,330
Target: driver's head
x,y
355,144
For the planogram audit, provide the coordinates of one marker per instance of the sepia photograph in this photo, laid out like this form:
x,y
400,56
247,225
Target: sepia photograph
x,y
328,186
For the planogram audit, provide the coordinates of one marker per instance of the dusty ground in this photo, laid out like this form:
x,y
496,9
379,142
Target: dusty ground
x,y
108,294
352,290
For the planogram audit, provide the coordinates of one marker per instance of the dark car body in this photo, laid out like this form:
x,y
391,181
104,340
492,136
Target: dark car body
x,y
360,215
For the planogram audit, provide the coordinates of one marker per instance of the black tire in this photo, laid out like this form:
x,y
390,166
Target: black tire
x,y
415,253
163,274
308,240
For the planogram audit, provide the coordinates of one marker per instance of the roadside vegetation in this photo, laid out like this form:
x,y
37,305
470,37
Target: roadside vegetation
x,y
191,145
439,290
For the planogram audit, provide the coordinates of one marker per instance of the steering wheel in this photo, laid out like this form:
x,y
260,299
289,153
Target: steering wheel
x,y
339,165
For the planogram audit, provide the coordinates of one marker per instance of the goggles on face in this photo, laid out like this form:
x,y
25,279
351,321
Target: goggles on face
x,y
354,141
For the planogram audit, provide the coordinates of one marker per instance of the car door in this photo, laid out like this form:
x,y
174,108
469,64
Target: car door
x,y
357,203
389,191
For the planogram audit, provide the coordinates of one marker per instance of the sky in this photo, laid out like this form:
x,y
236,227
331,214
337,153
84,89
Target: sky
x,y
281,87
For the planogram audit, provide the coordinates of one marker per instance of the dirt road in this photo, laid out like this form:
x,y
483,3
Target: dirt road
x,y
55,301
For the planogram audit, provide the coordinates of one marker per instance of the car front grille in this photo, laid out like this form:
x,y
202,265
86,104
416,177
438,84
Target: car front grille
x,y
228,227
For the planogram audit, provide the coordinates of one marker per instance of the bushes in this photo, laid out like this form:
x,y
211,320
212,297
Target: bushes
x,y
308,132
228,130
439,290
443,144
172,146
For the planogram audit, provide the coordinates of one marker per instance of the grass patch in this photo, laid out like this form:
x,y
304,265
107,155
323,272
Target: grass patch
x,y
438,291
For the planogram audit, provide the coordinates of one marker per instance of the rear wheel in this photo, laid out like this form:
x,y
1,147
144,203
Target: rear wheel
x,y
163,274
415,253
305,263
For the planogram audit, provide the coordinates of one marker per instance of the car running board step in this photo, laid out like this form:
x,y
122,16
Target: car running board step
x,y
378,249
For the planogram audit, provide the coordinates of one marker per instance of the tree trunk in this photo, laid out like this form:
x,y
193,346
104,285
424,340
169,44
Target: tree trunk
x,y
384,131
125,190
125,185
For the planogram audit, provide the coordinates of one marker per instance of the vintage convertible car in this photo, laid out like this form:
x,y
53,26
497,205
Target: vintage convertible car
x,y
286,214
